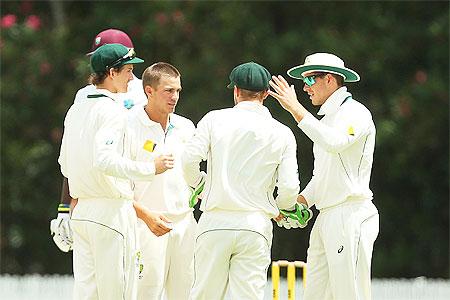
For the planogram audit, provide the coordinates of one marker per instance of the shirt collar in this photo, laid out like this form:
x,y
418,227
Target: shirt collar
x,y
255,107
144,119
333,102
107,93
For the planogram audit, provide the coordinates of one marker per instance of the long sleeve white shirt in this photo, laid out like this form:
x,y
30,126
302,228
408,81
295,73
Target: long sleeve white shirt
x,y
248,153
92,155
344,142
168,192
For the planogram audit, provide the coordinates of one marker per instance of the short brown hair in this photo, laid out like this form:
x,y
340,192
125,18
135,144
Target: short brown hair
x,y
252,94
153,74
339,79
99,78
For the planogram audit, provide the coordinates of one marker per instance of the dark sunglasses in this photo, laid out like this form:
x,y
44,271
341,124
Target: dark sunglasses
x,y
310,80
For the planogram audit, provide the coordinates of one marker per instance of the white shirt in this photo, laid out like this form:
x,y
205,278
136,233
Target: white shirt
x,y
135,95
248,153
168,192
344,142
92,154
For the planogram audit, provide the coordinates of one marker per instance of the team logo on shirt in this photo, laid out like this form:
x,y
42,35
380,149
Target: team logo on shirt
x,y
128,103
109,142
351,131
149,145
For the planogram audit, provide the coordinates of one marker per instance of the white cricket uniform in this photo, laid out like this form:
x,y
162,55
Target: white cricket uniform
x,y
167,260
135,96
341,241
248,153
92,158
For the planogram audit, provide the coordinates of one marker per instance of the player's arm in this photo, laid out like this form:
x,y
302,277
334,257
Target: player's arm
x,y
334,139
288,183
60,226
107,160
195,151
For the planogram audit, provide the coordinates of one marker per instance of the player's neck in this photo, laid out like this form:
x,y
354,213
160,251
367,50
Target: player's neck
x,y
107,85
156,116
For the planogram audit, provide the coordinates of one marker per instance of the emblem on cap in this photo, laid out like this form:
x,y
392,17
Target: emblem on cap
x,y
98,40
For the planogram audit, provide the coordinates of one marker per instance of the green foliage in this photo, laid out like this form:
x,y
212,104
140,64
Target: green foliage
x,y
399,48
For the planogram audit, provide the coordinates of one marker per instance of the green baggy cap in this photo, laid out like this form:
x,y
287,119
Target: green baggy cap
x,y
250,76
112,56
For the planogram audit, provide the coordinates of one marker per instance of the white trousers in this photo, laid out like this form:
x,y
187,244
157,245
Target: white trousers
x,y
105,254
340,252
234,259
167,261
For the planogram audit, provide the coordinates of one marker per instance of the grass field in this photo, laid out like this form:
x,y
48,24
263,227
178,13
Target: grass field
x,y
54,287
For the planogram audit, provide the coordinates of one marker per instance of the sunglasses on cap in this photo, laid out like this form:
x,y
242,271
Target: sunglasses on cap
x,y
310,80
129,56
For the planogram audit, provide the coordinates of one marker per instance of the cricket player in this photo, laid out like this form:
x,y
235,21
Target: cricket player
x,y
342,238
248,154
156,130
92,158
133,95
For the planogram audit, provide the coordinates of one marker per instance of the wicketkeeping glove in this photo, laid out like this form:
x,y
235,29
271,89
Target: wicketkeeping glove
x,y
196,192
60,229
297,218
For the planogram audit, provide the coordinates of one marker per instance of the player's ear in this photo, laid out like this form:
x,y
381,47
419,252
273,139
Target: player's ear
x,y
111,72
148,90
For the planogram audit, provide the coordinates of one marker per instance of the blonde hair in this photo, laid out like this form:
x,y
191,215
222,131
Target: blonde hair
x,y
153,74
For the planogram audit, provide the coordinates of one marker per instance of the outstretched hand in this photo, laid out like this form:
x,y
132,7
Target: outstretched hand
x,y
286,96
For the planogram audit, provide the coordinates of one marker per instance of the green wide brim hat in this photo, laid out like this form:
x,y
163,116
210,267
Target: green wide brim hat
x,y
323,62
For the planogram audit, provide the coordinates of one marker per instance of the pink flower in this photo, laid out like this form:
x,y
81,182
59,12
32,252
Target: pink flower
x,y
161,18
178,16
33,22
421,77
8,21
45,68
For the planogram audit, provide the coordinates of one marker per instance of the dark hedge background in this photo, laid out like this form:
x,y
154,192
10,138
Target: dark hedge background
x,y
401,50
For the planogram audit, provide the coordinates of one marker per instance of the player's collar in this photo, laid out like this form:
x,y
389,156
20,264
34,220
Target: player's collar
x,y
144,119
334,101
255,107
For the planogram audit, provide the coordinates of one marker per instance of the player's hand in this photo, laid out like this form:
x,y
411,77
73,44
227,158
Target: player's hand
x,y
300,216
163,163
285,94
287,222
157,223
60,229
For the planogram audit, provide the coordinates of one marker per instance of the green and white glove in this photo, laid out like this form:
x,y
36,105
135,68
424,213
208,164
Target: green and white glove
x,y
297,218
197,191
60,228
